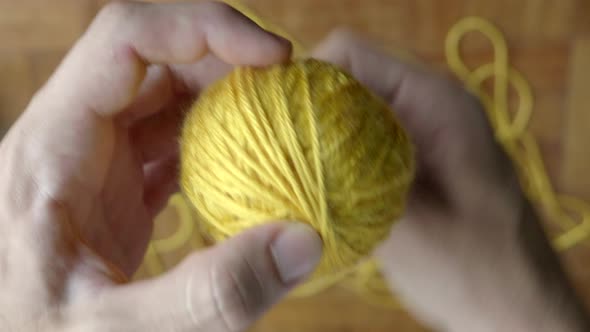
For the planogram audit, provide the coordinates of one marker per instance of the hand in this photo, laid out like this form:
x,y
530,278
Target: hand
x,y
93,159
469,254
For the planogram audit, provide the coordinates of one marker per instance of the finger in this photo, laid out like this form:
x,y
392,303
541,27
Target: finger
x,y
372,67
196,76
394,81
71,115
126,36
222,289
156,136
165,84
388,77
155,92
446,124
161,181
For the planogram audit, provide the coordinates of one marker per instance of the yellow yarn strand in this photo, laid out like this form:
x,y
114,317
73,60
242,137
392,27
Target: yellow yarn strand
x,y
183,235
569,213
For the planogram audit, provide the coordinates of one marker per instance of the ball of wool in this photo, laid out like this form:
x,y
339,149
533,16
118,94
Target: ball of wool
x,y
298,141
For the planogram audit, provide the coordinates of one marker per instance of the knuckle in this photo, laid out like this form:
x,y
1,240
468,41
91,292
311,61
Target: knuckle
x,y
445,85
343,35
238,292
218,8
116,10
457,89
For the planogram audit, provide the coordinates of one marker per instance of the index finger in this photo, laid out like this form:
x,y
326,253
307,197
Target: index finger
x,y
445,122
103,71
66,139
390,78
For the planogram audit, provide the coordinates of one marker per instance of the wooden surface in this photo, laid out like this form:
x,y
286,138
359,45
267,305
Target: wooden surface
x,y
549,42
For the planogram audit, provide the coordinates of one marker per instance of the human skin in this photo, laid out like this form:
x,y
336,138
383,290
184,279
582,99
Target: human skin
x,y
94,158
470,253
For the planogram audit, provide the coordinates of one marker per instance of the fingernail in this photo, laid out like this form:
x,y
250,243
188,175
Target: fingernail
x,y
296,251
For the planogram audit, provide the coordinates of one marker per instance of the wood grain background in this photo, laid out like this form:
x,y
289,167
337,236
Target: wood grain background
x,y
549,42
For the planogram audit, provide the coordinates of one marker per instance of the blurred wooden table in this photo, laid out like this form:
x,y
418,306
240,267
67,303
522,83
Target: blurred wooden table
x,y
549,42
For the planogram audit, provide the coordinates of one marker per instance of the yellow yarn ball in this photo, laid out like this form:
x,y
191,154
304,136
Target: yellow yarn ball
x,y
299,141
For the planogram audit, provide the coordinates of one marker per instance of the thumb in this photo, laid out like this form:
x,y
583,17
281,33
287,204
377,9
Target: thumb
x,y
222,289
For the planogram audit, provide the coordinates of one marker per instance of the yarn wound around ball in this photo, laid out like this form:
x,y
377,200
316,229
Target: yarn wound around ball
x,y
300,141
